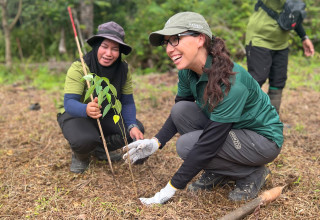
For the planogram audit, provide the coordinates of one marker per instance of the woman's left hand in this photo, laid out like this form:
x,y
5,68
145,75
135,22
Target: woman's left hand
x,y
136,134
160,197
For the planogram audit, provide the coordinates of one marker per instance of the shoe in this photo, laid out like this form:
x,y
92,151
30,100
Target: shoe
x,y
79,162
208,180
249,187
100,154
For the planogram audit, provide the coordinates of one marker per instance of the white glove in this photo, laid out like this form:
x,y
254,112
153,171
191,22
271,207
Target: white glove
x,y
160,197
140,149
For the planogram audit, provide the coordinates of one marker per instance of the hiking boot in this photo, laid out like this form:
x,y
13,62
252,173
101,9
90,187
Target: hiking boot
x,y
79,162
249,187
208,180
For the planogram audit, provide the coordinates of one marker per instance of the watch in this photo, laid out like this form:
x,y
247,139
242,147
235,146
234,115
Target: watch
x,y
304,38
131,126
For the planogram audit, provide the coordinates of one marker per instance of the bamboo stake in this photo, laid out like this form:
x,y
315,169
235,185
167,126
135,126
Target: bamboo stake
x,y
88,84
248,208
130,167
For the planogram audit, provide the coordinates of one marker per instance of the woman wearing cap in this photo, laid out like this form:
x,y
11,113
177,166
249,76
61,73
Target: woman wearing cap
x,y
78,119
227,126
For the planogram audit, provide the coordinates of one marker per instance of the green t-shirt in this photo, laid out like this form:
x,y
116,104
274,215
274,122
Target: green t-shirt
x,y
264,31
74,84
246,105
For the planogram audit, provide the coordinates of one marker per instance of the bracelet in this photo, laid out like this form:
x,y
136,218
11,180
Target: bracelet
x,y
304,38
132,126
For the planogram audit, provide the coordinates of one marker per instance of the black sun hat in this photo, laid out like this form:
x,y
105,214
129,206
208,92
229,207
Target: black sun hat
x,y
112,31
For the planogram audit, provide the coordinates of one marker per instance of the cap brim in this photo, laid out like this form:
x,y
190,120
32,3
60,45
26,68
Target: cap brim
x,y
125,48
155,38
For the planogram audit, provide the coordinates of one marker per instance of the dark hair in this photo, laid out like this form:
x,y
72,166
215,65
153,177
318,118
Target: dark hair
x,y
220,72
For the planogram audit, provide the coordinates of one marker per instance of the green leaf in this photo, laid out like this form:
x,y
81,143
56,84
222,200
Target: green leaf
x,y
106,90
106,80
113,90
100,98
108,97
96,80
118,106
88,77
116,118
98,89
89,92
106,110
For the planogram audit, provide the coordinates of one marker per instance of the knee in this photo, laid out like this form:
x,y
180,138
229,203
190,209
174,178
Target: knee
x,y
180,148
179,109
83,145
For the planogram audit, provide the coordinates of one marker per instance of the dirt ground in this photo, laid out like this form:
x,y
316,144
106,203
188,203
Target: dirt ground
x,y
35,181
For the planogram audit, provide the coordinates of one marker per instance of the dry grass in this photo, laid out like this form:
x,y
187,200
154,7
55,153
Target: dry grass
x,y
35,181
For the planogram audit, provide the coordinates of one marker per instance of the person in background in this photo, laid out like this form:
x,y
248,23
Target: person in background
x,y
267,49
227,126
78,119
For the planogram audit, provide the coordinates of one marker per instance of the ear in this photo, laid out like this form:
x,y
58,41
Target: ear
x,y
202,40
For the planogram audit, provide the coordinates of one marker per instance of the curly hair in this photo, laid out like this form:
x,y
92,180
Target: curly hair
x,y
220,72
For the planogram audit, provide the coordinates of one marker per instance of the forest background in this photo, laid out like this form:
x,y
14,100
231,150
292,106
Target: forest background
x,y
43,30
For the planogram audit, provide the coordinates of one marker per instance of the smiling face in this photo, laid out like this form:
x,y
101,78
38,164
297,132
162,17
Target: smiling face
x,y
108,52
189,53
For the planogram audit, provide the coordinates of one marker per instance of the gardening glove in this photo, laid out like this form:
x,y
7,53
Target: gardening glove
x,y
140,149
160,197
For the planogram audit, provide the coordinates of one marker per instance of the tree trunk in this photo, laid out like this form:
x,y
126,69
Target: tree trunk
x,y
7,29
62,43
86,17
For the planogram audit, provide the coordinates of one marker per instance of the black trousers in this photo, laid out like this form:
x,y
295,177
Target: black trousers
x,y
84,136
269,64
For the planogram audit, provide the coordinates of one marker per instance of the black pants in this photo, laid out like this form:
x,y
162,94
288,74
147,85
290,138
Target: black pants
x,y
269,64
84,136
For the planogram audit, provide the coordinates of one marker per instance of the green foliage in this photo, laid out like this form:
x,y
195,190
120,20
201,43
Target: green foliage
x,y
37,76
304,71
109,93
39,27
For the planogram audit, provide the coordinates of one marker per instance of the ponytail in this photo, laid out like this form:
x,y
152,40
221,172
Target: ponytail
x,y
219,73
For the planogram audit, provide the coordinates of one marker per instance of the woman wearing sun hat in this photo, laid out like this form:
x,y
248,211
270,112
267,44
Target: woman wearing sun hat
x,y
77,119
227,126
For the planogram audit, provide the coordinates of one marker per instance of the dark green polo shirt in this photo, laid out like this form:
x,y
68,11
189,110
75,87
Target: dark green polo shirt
x,y
246,105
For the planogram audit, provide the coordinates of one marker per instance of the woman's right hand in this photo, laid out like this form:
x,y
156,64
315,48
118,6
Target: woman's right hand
x,y
93,110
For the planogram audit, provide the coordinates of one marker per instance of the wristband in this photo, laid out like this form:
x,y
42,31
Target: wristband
x,y
159,144
304,38
132,126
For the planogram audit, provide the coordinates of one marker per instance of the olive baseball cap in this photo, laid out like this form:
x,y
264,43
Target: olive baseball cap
x,y
181,22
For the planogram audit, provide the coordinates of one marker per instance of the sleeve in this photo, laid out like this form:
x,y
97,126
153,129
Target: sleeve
x,y
73,106
127,88
208,145
128,109
73,83
300,30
